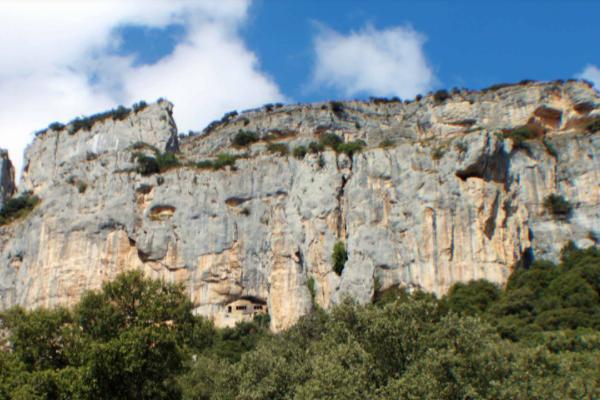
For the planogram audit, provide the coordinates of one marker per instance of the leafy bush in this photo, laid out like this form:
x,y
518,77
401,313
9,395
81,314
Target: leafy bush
x,y
558,206
81,186
339,257
299,152
331,140
472,298
310,283
204,164
147,165
337,108
56,126
224,160
129,340
337,144
18,207
315,147
139,106
139,339
244,138
351,148
278,148
86,123
441,96
384,100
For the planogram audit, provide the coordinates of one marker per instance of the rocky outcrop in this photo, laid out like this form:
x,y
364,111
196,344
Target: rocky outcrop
x,y
440,194
7,178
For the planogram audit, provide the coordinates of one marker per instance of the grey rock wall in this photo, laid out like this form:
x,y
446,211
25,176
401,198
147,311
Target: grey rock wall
x,y
449,200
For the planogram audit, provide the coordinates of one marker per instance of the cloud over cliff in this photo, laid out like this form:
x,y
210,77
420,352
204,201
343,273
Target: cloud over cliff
x,y
592,74
60,60
387,62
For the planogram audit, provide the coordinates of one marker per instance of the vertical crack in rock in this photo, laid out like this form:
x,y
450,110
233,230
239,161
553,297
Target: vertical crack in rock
x,y
434,239
341,212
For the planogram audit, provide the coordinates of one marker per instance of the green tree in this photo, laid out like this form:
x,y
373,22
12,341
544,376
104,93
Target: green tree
x,y
472,298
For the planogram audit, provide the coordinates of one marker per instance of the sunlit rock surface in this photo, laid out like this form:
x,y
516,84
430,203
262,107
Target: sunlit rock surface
x,y
447,199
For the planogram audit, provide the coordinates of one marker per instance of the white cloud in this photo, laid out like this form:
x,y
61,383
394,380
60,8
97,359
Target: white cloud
x,y
592,74
51,49
388,62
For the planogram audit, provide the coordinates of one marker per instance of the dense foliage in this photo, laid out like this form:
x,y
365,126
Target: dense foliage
x,y
223,160
558,206
339,257
244,138
538,338
18,207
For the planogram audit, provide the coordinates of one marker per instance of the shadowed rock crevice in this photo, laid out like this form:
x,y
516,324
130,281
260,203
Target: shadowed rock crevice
x,y
489,167
490,223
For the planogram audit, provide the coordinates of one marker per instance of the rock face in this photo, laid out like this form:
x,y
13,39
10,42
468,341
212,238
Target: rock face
x,y
7,177
438,196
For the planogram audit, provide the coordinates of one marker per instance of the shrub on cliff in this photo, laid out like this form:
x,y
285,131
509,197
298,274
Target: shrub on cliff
x,y
278,148
244,138
558,206
224,160
331,140
18,207
441,95
147,165
337,107
351,148
139,106
299,152
339,257
315,147
161,162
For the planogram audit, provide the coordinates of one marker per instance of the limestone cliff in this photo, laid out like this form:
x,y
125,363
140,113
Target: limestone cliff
x,y
440,194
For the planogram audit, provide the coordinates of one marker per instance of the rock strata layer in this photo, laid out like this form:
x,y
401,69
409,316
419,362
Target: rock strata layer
x,y
440,194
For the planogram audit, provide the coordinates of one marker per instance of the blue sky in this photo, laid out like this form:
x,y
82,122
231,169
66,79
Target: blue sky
x,y
468,43
63,58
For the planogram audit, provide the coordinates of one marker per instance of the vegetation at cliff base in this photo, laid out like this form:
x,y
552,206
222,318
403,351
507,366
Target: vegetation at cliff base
x,y
537,338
